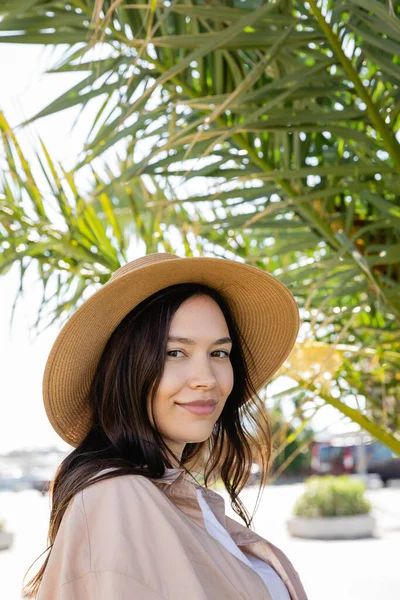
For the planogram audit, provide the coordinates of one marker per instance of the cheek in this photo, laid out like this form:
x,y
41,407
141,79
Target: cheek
x,y
159,409
170,384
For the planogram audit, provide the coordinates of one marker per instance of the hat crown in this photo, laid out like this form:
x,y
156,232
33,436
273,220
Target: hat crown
x,y
143,261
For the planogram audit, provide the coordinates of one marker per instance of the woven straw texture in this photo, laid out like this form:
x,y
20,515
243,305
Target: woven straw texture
x,y
265,311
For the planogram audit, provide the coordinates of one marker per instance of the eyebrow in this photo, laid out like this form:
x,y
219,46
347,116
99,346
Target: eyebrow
x,y
184,340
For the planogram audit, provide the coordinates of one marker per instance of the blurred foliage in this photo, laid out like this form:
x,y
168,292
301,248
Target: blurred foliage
x,y
291,445
330,496
269,132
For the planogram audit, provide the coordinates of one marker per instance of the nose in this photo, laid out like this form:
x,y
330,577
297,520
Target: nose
x,y
202,376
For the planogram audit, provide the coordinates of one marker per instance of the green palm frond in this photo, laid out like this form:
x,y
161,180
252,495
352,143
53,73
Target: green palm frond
x,y
75,242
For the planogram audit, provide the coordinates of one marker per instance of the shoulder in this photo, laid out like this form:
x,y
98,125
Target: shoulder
x,y
121,489
116,484
120,494
101,549
126,506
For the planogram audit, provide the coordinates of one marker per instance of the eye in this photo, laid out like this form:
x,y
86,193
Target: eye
x,y
225,353
173,351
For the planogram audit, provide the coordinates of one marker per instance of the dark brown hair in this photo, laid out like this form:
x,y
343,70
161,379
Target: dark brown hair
x,y
122,437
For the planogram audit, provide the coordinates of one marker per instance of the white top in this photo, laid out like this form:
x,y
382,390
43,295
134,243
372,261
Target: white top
x,y
273,582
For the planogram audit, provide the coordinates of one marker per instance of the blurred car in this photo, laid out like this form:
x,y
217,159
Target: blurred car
x,y
39,479
337,458
14,481
42,485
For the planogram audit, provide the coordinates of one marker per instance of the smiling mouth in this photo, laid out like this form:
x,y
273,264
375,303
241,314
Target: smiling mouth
x,y
201,410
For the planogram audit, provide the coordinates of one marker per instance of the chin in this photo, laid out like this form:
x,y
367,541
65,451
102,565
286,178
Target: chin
x,y
197,438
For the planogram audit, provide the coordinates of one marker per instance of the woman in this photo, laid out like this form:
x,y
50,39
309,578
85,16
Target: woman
x,y
155,376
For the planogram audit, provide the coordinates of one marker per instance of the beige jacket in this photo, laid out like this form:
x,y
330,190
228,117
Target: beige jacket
x,y
131,538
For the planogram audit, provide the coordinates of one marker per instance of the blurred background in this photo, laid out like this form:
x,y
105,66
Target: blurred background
x,y
264,132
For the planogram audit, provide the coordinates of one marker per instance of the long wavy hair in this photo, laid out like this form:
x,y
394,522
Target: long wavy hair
x,y
122,436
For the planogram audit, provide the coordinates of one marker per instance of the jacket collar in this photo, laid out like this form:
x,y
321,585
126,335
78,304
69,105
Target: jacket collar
x,y
181,488
170,476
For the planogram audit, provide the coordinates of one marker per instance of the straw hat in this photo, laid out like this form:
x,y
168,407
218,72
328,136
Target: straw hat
x,y
263,307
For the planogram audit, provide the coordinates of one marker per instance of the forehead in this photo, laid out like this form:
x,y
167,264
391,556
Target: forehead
x,y
198,313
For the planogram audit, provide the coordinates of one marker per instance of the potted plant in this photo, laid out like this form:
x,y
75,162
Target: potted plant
x,y
6,537
332,508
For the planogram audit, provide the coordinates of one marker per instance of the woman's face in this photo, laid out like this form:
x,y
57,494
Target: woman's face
x,y
197,367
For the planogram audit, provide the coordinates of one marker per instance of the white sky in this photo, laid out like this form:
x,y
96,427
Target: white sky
x,y
24,92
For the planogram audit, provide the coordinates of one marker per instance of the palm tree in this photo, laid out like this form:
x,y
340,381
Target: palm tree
x,y
289,112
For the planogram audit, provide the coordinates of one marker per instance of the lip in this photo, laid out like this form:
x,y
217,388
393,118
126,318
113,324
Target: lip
x,y
200,409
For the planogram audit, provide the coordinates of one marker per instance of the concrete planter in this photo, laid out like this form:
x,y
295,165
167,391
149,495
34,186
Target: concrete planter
x,y
6,539
332,528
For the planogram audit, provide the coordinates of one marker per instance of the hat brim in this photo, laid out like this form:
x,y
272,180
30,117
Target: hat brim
x,y
264,309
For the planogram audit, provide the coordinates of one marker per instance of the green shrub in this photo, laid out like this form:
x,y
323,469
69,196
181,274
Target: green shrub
x,y
331,496
2,524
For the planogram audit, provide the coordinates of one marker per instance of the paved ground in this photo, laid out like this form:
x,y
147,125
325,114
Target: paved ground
x,y
349,570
